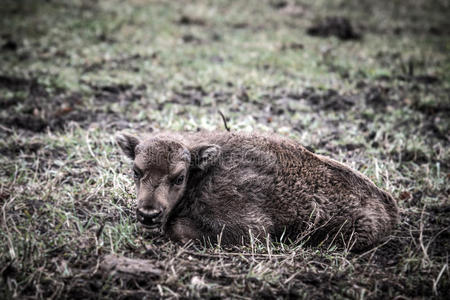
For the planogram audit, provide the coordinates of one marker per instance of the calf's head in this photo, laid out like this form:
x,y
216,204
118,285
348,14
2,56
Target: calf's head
x,y
161,168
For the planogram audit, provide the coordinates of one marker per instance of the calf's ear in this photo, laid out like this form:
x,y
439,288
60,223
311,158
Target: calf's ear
x,y
204,156
127,143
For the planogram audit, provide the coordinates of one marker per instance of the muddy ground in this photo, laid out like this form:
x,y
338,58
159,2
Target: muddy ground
x,y
364,82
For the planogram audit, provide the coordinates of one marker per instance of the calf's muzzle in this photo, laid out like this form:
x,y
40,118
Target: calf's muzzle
x,y
149,217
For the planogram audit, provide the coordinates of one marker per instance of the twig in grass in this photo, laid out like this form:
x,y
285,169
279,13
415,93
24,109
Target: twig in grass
x,y
88,143
446,229
422,246
12,252
252,242
6,129
351,242
435,282
269,249
291,277
219,238
337,233
99,231
171,292
97,265
182,250
372,253
224,121
111,241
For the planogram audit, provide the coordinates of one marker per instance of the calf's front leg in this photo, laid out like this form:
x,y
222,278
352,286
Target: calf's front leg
x,y
183,230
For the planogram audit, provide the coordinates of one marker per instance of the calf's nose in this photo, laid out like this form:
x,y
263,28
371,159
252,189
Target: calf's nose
x,y
148,216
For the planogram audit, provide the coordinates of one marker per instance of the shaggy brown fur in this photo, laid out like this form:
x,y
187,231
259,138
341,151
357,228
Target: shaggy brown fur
x,y
221,185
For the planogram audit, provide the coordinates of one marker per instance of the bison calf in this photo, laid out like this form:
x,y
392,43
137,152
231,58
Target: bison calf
x,y
221,185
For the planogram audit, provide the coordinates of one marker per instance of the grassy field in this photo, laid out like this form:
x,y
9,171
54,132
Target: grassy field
x,y
372,93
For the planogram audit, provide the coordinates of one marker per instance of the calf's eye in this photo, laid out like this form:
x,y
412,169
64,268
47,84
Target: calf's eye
x,y
179,180
136,174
